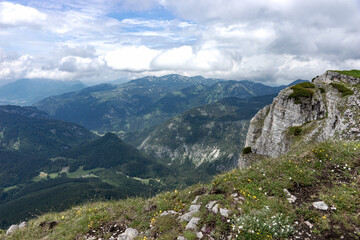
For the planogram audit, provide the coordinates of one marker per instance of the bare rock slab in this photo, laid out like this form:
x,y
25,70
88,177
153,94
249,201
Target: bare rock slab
x,y
224,212
210,205
192,225
129,234
194,208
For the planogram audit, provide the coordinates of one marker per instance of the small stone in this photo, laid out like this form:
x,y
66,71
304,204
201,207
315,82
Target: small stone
x,y
333,208
169,212
129,234
291,198
309,224
194,208
199,235
321,205
224,212
22,225
242,198
215,209
195,200
181,238
210,204
287,192
186,217
192,224
234,195
12,229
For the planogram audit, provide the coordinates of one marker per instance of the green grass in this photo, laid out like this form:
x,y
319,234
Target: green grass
x,y
354,73
80,172
341,88
328,171
295,130
302,90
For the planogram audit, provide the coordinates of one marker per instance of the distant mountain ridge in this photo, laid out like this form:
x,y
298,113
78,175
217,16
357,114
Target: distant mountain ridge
x,y
28,91
212,134
144,102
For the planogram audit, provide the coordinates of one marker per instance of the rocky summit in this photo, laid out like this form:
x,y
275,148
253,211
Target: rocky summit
x,y
326,108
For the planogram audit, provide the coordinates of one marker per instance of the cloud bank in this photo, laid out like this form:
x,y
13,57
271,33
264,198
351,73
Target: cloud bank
x,y
274,42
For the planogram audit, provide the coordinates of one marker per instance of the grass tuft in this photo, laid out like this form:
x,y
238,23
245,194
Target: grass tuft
x,y
341,88
295,130
302,90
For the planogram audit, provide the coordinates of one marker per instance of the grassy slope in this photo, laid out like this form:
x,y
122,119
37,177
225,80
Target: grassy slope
x,y
327,171
354,73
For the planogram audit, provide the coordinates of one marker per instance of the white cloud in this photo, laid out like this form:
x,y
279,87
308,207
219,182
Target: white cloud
x,y
186,58
264,40
79,64
14,68
55,74
131,58
16,14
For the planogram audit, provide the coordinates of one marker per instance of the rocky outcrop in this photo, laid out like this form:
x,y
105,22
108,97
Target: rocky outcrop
x,y
325,115
15,227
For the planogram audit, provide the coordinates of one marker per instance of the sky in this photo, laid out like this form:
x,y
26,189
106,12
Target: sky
x,y
268,41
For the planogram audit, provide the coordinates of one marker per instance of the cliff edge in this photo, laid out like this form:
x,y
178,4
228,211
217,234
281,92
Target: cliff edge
x,y
326,108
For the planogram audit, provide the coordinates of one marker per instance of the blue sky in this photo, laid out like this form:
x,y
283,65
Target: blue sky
x,y
270,41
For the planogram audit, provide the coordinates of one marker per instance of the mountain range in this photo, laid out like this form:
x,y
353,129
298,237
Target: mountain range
x,y
25,92
145,102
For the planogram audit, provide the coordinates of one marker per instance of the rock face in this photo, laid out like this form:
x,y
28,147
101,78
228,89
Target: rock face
x,y
324,115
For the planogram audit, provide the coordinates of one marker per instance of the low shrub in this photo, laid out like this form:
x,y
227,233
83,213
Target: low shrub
x,y
246,150
295,130
322,90
341,88
299,91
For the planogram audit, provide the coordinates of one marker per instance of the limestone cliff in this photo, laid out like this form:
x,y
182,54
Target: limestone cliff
x,y
329,107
